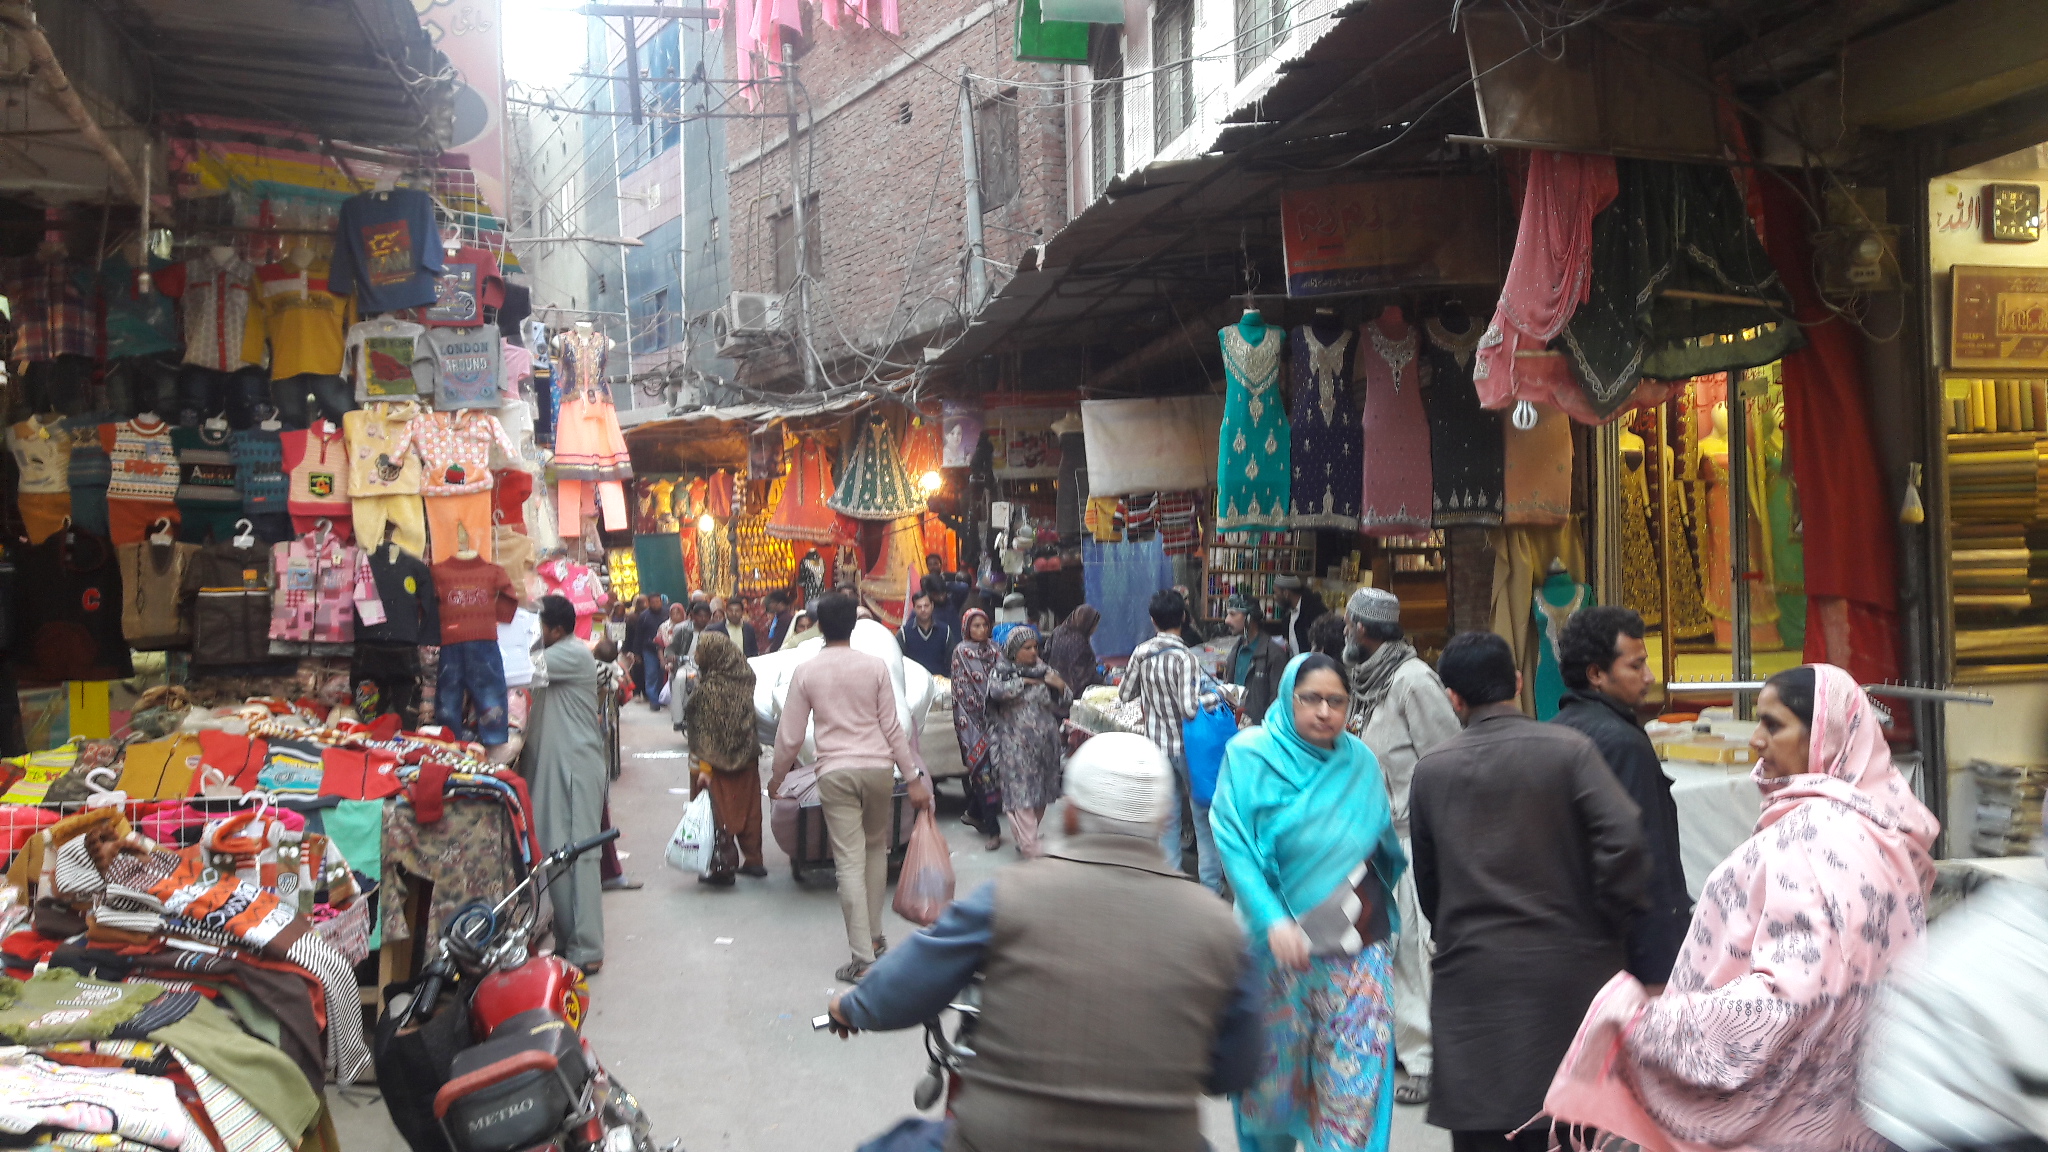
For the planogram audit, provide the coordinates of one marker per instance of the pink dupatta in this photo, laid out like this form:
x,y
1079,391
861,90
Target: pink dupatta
x,y
1756,1042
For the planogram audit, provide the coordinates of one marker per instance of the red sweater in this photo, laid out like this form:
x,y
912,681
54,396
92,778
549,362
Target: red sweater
x,y
476,596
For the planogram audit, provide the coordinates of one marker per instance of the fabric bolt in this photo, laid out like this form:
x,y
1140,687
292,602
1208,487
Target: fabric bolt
x,y
1254,471
471,513
67,609
456,451
51,307
1550,274
257,456
1756,1041
1466,451
1329,1076
472,677
466,368
215,299
303,325
316,467
42,455
475,597
469,286
563,761
387,251
1536,471
151,576
1328,483
135,323
1397,499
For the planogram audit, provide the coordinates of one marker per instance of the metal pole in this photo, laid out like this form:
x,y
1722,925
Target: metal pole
x,y
800,218
1738,542
632,70
1669,630
970,167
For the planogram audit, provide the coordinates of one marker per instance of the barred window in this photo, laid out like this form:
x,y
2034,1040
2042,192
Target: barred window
x,y
1260,24
1173,72
1106,104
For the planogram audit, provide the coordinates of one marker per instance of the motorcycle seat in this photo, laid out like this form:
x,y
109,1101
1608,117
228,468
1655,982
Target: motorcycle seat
x,y
513,1090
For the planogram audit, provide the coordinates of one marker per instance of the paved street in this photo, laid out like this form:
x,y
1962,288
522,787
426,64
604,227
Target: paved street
x,y
705,1002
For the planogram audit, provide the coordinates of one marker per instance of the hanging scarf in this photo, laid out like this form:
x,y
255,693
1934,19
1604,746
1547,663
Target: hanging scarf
x,y
720,713
973,663
1755,1043
1372,679
1070,652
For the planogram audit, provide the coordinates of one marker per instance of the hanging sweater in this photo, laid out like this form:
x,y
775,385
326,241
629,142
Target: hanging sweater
x,y
381,460
151,576
258,457
476,597
457,449
145,464
316,467
206,469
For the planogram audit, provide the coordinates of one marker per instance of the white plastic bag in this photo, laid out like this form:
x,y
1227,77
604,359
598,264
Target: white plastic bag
x,y
689,849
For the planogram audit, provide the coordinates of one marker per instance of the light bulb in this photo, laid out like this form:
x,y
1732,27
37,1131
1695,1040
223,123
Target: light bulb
x,y
706,524
931,482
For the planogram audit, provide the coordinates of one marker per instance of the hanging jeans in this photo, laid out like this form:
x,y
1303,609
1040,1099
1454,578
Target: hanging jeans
x,y
472,670
387,680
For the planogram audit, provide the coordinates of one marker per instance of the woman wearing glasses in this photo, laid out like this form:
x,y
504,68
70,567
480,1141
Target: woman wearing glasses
x,y
1307,839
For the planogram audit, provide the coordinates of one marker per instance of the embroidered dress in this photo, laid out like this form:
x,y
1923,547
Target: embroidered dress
x,y
1327,476
874,485
1330,1058
803,512
1397,477
1255,472
1465,449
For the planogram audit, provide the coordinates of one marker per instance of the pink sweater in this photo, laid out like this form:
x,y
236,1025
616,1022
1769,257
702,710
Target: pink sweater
x,y
849,696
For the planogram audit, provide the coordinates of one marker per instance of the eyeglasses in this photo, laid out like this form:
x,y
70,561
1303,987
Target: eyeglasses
x,y
1312,700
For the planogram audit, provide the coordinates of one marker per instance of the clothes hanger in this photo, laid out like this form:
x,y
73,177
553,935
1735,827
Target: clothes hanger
x,y
269,421
218,422
465,548
245,534
160,532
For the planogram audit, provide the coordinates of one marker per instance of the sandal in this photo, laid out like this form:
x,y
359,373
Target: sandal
x,y
881,944
992,843
1414,1091
851,972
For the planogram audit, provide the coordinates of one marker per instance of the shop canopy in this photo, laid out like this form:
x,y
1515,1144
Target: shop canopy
x,y
717,437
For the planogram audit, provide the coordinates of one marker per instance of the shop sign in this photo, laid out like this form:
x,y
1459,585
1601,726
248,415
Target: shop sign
x,y
1998,317
962,425
1391,234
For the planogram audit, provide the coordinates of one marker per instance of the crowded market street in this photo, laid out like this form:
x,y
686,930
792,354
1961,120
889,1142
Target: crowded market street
x,y
705,1004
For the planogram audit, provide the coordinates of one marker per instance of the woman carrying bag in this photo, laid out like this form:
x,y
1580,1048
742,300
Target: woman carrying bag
x,y
726,749
1025,697
1307,838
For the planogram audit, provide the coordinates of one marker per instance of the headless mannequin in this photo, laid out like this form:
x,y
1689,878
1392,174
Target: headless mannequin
x,y
1252,326
1392,324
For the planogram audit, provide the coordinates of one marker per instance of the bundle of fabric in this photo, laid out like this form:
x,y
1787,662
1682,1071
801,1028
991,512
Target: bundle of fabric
x,y
2008,808
1994,478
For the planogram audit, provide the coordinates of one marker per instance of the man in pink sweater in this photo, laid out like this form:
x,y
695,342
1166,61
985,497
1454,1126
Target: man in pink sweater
x,y
860,740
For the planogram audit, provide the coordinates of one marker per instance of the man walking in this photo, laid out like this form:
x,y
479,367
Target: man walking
x,y
1606,672
734,625
1529,863
1255,660
662,625
779,616
1164,679
1399,709
563,762
859,739
1078,1046
1300,608
926,639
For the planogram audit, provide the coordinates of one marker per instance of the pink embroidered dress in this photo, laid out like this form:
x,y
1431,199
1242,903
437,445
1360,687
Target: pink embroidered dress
x,y
1397,469
1755,1044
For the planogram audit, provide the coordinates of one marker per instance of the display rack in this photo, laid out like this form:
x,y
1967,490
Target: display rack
x,y
1248,563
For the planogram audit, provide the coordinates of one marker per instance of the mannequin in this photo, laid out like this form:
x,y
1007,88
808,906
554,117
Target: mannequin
x,y
1717,546
1254,469
221,254
1327,478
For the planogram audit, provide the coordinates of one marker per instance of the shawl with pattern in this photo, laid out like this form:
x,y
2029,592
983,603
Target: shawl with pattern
x,y
720,712
973,663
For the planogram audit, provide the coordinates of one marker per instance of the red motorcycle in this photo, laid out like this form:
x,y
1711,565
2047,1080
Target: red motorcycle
x,y
523,1077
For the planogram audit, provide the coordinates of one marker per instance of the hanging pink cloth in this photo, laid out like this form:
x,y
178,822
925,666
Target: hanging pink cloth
x,y
1754,1044
1548,278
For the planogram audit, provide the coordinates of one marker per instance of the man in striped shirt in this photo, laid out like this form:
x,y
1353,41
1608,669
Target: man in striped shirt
x,y
1164,678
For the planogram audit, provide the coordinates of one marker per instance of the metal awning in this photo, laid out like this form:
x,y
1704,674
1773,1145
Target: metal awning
x,y
711,437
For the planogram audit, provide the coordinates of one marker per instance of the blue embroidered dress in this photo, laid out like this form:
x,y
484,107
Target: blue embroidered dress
x,y
1328,481
1253,470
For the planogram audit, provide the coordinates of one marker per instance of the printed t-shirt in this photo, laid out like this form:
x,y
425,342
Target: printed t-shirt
x,y
470,285
42,454
145,465
387,251
385,360
258,456
305,325
137,323
466,367
476,596
206,467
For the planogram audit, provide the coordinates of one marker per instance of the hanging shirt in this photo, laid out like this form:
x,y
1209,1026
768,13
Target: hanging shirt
x,y
385,360
470,285
145,464
258,457
317,581
316,467
42,454
51,305
304,324
137,323
466,368
387,251
216,300
206,468
381,460
456,447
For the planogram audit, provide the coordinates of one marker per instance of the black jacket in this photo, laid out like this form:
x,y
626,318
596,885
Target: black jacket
x,y
1262,679
1655,937
1312,609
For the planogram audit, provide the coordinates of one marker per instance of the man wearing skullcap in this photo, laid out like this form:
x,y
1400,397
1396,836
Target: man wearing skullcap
x,y
1082,1043
1399,709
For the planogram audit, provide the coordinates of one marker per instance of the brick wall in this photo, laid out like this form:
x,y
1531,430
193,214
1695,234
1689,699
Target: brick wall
x,y
889,194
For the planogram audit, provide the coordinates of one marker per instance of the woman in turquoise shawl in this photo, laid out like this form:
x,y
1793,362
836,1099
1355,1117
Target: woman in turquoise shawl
x,y
1307,839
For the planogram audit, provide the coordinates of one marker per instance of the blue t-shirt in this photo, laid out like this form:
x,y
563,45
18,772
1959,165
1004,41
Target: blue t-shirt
x,y
465,367
138,324
387,250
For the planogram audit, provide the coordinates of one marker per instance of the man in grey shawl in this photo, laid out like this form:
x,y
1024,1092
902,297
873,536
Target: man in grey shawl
x,y
1399,709
564,766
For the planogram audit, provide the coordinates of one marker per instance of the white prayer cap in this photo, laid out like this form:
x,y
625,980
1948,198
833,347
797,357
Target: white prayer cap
x,y
1288,582
1373,606
1122,776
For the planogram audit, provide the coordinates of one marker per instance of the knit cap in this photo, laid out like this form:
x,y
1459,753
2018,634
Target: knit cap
x,y
1122,776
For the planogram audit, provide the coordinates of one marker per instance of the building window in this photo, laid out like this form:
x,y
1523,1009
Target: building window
x,y
995,145
565,208
1260,24
782,230
654,323
1106,104
1173,70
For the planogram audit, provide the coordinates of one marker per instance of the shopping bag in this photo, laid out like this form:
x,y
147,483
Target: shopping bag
x,y
1202,738
925,886
690,847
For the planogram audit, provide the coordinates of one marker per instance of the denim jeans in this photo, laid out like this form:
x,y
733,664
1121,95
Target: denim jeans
x,y
474,669
1208,865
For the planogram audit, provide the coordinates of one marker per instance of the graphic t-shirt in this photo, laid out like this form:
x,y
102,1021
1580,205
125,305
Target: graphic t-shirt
x,y
302,321
258,457
206,467
137,323
42,453
385,360
470,285
465,367
387,251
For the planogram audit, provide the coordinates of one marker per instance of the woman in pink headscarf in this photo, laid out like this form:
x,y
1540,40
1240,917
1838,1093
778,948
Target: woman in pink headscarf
x,y
1754,1044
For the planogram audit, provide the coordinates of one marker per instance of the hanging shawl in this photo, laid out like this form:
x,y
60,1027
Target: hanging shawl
x,y
873,484
973,662
804,512
1549,274
1754,1044
720,713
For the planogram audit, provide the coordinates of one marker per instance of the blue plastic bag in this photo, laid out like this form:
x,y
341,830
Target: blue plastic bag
x,y
1202,739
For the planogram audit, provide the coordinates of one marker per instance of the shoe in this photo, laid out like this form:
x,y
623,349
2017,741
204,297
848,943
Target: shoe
x,y
757,871
592,968
722,880
993,843
881,944
1414,1091
622,884
852,971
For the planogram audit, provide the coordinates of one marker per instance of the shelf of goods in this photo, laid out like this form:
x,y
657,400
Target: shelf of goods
x,y
1412,568
2008,808
1998,540
1248,564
